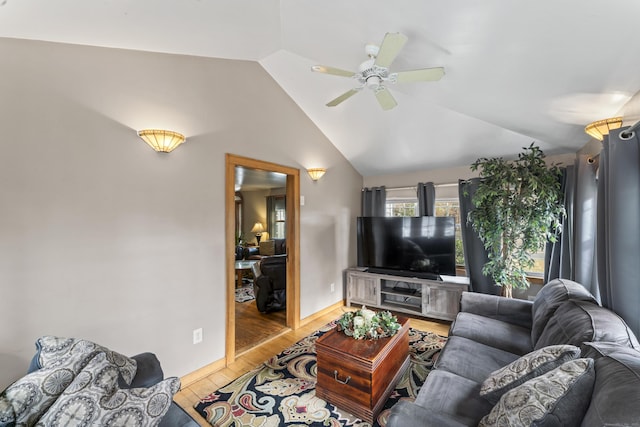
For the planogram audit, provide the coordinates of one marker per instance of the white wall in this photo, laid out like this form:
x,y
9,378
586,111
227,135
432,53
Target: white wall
x,y
102,238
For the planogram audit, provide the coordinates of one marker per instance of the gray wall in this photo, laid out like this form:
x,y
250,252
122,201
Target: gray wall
x,y
102,238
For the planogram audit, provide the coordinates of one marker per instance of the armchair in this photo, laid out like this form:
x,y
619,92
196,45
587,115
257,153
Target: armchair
x,y
270,283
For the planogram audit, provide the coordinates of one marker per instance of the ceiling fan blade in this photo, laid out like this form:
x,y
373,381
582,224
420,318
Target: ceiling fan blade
x,y
423,75
391,46
384,97
332,70
343,97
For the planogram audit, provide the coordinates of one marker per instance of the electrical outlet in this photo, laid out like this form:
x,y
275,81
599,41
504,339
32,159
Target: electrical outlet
x,y
197,336
333,287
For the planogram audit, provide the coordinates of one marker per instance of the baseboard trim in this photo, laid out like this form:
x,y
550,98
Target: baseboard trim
x,y
321,313
201,373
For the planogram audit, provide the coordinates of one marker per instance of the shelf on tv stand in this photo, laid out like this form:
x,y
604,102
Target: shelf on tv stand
x,y
439,299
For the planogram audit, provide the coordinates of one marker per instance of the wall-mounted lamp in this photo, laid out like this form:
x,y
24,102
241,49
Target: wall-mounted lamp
x,y
163,141
316,173
602,127
258,229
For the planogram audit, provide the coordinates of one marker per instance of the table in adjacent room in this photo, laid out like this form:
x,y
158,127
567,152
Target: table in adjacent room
x,y
241,267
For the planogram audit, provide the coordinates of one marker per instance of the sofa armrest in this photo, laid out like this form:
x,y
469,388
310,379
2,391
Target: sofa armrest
x,y
510,310
408,414
148,372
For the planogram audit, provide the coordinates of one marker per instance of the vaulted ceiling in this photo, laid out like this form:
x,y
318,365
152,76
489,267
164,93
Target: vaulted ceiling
x,y
516,72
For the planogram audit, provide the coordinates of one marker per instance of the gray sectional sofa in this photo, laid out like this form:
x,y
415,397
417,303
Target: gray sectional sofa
x,y
596,385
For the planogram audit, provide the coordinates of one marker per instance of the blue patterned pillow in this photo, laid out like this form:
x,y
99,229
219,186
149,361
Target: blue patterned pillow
x,y
93,399
557,398
526,367
52,349
24,401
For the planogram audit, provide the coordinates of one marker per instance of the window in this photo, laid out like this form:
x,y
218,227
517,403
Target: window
x,y
276,216
451,207
401,207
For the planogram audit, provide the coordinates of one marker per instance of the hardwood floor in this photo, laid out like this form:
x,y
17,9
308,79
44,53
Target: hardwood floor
x,y
253,327
191,394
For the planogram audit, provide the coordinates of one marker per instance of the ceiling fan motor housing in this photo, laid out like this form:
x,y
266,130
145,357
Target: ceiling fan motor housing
x,y
371,75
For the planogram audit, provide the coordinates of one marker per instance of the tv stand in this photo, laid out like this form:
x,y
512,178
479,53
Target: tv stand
x,y
406,273
435,298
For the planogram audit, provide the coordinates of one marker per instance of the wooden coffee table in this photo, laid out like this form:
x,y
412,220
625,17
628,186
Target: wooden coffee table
x,y
359,375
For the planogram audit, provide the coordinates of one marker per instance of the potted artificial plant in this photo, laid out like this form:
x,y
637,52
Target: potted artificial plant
x,y
518,206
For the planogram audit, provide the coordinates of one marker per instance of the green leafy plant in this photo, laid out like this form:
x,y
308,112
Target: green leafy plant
x,y
518,207
367,324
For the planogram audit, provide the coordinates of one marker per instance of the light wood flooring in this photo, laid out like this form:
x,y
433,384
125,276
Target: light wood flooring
x,y
253,327
192,393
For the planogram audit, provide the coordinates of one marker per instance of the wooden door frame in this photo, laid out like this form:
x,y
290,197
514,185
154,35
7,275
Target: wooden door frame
x,y
292,242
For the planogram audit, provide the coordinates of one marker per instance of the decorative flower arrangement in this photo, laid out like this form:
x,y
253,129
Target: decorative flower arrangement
x,y
367,324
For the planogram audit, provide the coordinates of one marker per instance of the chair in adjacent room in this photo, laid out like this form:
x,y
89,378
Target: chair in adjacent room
x,y
270,283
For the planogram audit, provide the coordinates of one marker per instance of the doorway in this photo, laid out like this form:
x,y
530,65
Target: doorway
x,y
292,188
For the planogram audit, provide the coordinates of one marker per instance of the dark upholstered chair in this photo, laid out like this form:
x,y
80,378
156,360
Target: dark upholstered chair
x,y
270,283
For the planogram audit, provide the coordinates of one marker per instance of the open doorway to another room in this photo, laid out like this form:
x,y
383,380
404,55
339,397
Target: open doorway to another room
x,y
262,232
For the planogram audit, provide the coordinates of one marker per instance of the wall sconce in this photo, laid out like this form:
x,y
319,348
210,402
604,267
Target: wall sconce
x,y
602,127
316,173
163,141
258,229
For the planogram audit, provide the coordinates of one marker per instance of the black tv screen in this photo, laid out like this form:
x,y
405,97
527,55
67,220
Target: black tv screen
x,y
407,246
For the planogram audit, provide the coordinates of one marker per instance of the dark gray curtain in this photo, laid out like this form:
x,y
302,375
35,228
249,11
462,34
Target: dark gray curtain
x,y
559,255
475,255
373,201
585,208
426,199
618,239
271,212
573,255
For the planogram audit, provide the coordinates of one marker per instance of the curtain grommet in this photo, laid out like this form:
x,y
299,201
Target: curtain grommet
x,y
625,136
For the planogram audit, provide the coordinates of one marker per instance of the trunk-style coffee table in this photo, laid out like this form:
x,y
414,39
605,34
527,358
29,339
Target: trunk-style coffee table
x,y
359,375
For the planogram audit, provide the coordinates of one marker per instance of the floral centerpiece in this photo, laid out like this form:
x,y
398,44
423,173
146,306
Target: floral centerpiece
x,y
367,324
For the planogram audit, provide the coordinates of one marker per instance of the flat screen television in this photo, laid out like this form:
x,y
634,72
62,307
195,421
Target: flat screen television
x,y
421,247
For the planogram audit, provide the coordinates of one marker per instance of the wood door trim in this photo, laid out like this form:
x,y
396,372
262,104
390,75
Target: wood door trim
x,y
292,242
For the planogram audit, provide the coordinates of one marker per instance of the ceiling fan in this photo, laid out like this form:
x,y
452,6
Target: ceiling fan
x,y
374,72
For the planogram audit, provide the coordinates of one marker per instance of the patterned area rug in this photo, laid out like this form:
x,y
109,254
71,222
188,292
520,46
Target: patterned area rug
x,y
281,392
245,293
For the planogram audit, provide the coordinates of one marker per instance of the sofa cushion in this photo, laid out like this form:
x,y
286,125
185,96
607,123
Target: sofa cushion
x,y
550,297
525,368
51,350
616,394
552,399
407,414
93,398
496,333
575,322
471,359
458,397
510,310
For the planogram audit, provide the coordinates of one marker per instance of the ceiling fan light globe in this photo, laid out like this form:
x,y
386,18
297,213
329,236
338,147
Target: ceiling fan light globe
x,y
373,82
